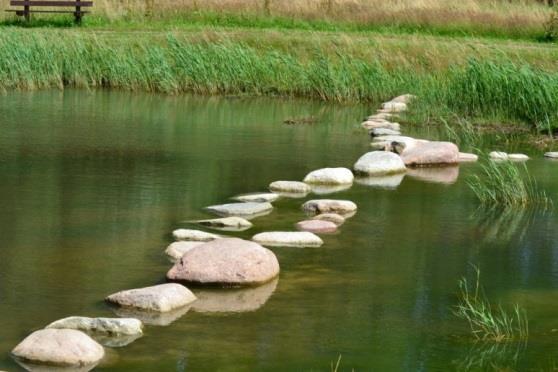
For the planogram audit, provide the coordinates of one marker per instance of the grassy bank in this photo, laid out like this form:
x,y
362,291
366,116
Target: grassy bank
x,y
513,82
523,19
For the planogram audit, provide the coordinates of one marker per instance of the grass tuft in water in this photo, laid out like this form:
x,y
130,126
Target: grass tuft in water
x,y
489,323
501,184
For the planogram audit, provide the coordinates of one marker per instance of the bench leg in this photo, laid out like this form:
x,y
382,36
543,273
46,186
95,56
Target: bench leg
x,y
77,14
26,12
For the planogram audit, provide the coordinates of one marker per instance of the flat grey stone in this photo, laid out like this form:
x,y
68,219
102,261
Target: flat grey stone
x,y
161,298
257,197
288,239
241,209
193,235
330,176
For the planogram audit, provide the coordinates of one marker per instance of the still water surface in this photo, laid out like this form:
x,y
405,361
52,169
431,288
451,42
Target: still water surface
x,y
92,184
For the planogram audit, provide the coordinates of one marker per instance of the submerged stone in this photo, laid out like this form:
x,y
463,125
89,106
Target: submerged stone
x,y
161,298
228,262
176,250
319,206
226,223
288,239
330,176
154,318
193,235
290,187
59,347
257,197
331,217
380,163
247,209
317,226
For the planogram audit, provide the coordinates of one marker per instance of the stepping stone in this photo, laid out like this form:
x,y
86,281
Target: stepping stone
x,y
161,298
331,217
330,176
248,209
257,198
226,223
518,157
498,155
110,332
319,206
371,124
193,235
378,132
176,250
288,239
290,187
379,163
380,116
430,153
465,157
226,262
317,226
552,155
392,106
405,98
59,348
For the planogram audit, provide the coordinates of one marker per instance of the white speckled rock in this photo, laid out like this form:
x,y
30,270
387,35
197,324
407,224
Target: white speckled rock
x,y
112,326
405,98
371,124
498,155
59,347
465,157
257,197
330,176
331,217
319,206
392,106
176,250
193,235
241,209
430,153
552,155
379,163
290,187
162,298
226,223
228,262
317,226
518,157
379,132
288,239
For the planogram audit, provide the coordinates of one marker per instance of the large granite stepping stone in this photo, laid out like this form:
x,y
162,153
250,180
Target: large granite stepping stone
x,y
289,187
248,209
317,226
59,348
161,298
342,207
430,153
288,239
330,176
194,235
257,197
226,262
176,250
379,163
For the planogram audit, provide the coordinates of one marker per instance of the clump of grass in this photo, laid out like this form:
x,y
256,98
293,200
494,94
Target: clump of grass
x,y
501,184
489,323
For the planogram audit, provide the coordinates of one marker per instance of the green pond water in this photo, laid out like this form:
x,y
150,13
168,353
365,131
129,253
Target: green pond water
x,y
93,183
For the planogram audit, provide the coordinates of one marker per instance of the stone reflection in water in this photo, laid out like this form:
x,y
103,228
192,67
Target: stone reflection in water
x,y
329,189
46,368
233,300
389,182
152,317
444,175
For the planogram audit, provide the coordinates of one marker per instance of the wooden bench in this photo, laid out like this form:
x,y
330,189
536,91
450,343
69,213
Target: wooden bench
x,y
27,4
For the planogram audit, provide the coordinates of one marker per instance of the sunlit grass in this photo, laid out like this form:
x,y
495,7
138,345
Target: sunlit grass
x,y
503,184
489,323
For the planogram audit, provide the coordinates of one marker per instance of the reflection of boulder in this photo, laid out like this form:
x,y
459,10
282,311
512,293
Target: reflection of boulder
x,y
444,175
382,182
151,317
233,300
329,189
45,368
